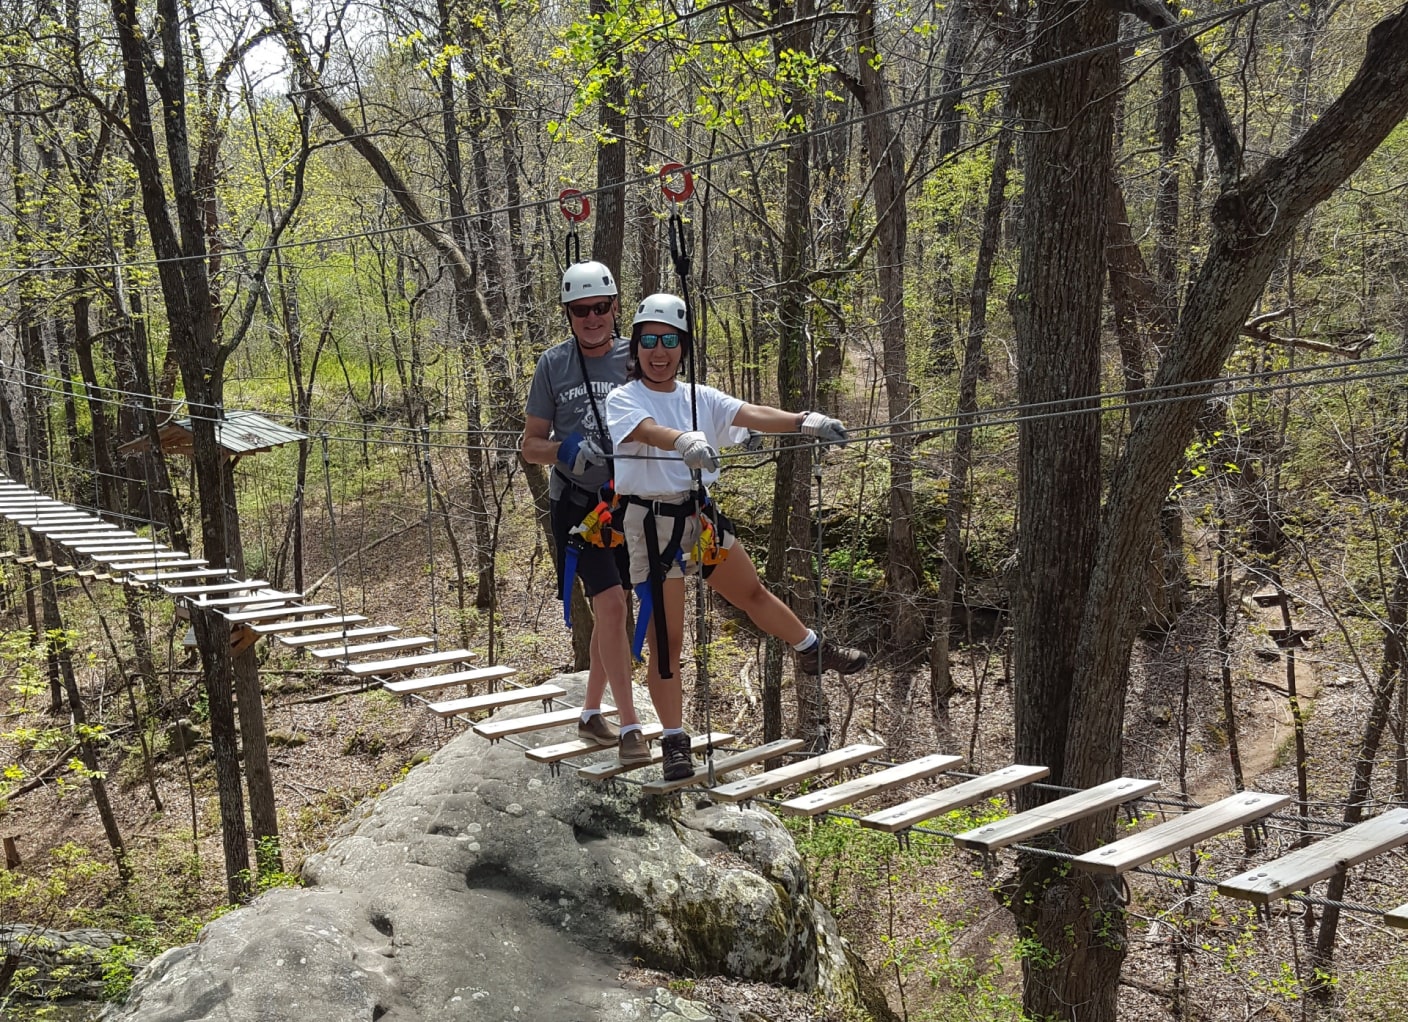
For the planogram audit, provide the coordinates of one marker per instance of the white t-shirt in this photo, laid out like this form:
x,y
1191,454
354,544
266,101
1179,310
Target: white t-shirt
x,y
648,471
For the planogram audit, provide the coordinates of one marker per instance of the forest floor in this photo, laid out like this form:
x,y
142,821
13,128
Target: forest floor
x,y
926,920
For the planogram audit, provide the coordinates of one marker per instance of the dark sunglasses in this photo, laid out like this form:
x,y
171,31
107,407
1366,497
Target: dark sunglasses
x,y
668,340
595,309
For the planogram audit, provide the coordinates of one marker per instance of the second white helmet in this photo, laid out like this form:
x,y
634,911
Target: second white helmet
x,y
587,280
662,308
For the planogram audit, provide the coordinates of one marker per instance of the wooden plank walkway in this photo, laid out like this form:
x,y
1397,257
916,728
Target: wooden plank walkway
x,y
871,784
497,729
731,763
926,807
599,772
552,755
1326,857
133,559
496,700
1182,831
346,651
405,665
435,682
321,638
771,780
993,836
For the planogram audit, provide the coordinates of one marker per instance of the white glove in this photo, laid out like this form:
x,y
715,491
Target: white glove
x,y
588,454
824,427
577,454
697,452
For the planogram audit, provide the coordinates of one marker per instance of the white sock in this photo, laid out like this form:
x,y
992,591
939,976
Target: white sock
x,y
589,714
672,731
807,643
628,728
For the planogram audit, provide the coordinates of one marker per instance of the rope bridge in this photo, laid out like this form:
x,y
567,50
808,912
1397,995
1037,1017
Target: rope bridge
x,y
376,653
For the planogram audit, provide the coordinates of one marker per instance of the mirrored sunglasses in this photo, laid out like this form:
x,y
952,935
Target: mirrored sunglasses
x,y
668,340
595,309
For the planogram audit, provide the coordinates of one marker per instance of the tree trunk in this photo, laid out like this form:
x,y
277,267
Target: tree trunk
x,y
1056,310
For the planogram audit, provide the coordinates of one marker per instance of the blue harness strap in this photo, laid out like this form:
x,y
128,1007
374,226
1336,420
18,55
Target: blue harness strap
x,y
569,578
647,606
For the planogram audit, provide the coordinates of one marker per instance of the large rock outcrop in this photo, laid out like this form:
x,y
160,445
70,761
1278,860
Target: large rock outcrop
x,y
481,888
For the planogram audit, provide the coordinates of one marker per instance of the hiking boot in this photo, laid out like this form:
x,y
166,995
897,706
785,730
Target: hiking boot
x,y
633,748
597,728
826,657
678,764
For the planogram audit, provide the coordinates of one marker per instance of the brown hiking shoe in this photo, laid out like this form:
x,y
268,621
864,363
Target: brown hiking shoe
x,y
678,765
633,748
598,729
826,657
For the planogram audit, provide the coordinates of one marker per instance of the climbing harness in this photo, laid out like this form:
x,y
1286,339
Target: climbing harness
x,y
707,551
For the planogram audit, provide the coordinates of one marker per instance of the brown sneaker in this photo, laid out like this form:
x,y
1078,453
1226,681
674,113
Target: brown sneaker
x,y
826,657
632,747
598,729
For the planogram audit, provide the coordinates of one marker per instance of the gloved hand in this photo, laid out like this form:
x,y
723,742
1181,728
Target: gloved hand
x,y
825,428
577,454
697,452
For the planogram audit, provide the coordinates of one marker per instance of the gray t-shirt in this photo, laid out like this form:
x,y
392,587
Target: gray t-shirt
x,y
559,395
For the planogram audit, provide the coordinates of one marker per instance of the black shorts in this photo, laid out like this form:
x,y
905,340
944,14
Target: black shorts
x,y
599,568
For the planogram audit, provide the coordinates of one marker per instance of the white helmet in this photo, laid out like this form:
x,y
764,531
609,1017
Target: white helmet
x,y
587,280
661,308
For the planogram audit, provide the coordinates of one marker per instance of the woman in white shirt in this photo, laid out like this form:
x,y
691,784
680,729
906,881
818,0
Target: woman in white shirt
x,y
653,413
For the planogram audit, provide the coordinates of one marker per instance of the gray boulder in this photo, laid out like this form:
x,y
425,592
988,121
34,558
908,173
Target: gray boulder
x,y
481,888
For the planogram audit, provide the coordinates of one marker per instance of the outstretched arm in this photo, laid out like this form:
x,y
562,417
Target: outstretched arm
x,y
766,419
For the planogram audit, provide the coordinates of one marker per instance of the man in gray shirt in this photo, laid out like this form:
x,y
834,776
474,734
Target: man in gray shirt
x,y
565,428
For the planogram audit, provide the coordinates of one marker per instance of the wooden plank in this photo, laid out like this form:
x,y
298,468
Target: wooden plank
x,y
267,597
1181,832
244,617
97,530
154,557
731,763
162,575
104,540
124,551
192,562
404,665
496,729
30,521
497,700
599,772
1326,857
308,624
319,638
771,780
103,546
1397,917
407,686
1002,833
871,784
213,587
581,747
345,651
926,807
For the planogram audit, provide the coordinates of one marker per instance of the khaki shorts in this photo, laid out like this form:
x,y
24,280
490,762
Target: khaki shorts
x,y
634,527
